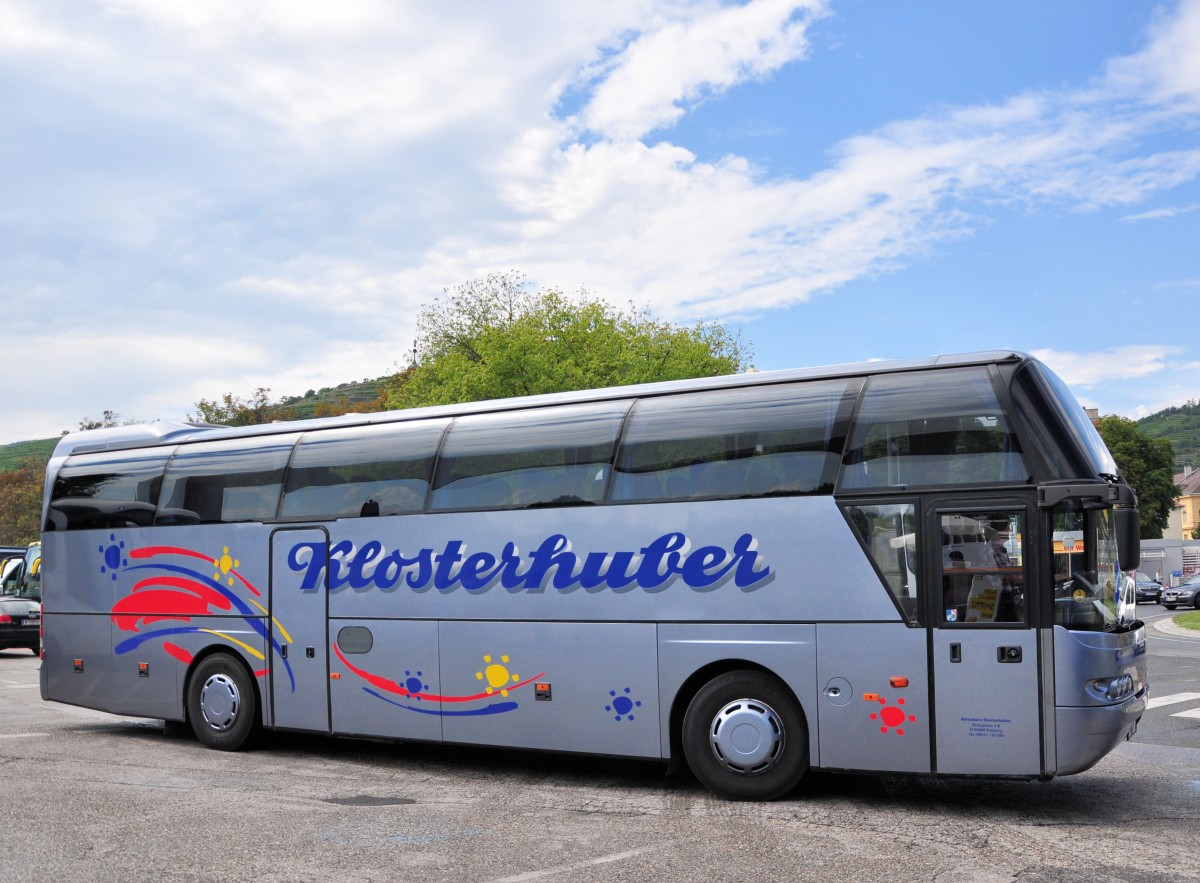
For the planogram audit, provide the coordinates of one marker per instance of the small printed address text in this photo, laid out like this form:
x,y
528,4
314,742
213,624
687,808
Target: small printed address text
x,y
985,727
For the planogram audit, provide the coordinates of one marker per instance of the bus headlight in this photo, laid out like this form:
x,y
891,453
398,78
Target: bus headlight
x,y
1111,689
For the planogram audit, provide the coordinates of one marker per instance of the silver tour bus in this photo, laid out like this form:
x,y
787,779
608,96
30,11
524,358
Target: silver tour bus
x,y
843,569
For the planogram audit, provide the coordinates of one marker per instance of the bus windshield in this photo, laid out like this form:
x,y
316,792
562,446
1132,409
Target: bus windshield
x,y
1090,590
1073,419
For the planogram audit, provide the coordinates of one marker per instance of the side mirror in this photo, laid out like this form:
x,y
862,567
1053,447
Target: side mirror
x,y
1129,537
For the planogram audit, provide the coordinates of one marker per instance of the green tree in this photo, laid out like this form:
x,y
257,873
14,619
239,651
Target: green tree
x,y
493,338
21,502
109,420
231,410
1147,464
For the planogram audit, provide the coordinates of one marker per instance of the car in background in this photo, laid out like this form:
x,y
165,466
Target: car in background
x,y
1147,589
20,601
10,568
1186,595
22,575
10,559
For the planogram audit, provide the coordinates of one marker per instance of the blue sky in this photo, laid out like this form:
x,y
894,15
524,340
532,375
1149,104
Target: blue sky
x,y
215,196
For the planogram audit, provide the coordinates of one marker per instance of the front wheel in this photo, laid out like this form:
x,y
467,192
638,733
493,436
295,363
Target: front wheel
x,y
745,738
222,706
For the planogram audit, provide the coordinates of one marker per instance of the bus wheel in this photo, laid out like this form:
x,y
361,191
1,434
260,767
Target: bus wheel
x,y
745,738
221,703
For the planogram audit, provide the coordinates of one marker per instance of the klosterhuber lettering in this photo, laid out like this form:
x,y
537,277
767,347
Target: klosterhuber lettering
x,y
551,565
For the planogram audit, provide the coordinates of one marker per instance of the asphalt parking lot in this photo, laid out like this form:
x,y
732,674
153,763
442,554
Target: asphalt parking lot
x,y
88,796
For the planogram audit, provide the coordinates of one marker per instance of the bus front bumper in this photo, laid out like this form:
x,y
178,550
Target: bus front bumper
x,y
1086,734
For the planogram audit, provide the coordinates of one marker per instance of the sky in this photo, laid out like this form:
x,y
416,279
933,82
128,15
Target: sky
x,y
215,196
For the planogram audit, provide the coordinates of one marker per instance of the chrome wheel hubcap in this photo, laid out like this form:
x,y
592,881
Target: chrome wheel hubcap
x,y
220,702
747,737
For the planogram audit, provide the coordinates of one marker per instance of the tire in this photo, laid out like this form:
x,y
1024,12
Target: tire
x,y
37,650
745,737
222,704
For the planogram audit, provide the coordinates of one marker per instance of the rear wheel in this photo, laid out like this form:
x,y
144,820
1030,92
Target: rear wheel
x,y
36,648
221,703
745,738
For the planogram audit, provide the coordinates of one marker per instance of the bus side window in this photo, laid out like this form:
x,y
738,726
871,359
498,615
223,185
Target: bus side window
x,y
107,490
931,428
224,481
889,533
989,563
527,459
725,444
362,471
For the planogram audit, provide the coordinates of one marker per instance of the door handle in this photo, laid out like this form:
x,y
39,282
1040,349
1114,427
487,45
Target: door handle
x,y
1008,654
956,652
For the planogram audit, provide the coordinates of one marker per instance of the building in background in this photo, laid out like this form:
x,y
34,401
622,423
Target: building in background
x,y
1186,517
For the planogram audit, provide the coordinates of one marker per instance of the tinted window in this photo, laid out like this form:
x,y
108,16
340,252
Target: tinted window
x,y
369,470
224,481
750,442
889,533
543,457
931,428
1057,426
983,573
107,490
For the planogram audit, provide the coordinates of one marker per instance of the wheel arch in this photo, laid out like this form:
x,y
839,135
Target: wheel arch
x,y
692,685
236,655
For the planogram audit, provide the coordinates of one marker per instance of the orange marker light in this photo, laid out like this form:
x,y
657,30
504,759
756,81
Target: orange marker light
x,y
870,697
898,682
335,676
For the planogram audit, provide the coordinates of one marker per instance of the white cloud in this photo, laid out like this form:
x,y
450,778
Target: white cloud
x,y
1167,70
1088,369
338,164
704,50
1161,213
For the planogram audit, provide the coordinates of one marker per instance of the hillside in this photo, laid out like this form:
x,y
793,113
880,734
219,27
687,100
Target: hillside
x,y
40,449
1182,426
330,400
340,397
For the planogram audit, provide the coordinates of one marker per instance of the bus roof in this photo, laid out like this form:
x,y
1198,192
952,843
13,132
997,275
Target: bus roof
x,y
169,433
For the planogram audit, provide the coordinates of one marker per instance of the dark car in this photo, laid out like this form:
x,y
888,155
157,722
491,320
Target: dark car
x,y
20,622
1186,595
1147,589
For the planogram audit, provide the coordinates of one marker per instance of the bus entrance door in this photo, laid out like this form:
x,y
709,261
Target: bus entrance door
x,y
985,654
299,657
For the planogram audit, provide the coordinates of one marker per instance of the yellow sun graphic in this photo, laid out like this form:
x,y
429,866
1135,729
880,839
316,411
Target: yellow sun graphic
x,y
224,565
497,675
